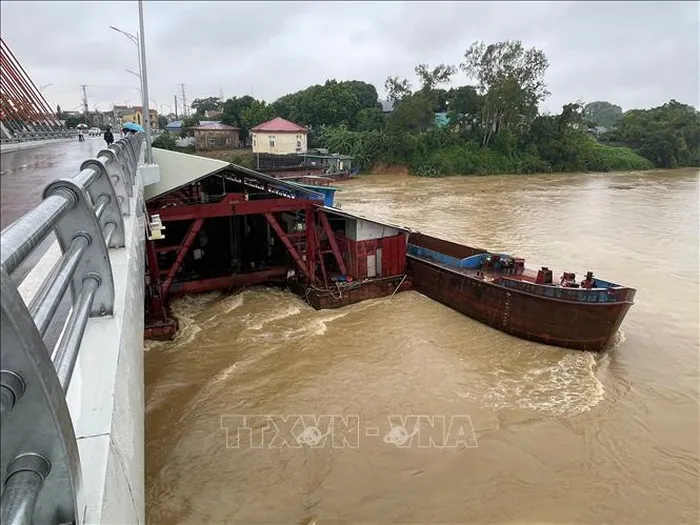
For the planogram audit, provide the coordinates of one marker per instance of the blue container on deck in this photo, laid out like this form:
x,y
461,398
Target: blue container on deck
x,y
328,192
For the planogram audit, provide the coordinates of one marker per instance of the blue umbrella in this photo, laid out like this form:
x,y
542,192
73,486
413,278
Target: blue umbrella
x,y
132,127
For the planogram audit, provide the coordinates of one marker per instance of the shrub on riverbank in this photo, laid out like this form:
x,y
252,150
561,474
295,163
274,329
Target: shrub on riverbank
x,y
599,157
439,153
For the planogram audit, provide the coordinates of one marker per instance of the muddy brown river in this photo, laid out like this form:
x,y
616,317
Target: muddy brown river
x,y
522,433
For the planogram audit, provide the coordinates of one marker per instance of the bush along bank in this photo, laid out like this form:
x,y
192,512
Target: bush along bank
x,y
439,153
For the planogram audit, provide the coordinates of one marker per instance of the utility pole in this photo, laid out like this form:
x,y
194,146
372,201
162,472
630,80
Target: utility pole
x,y
175,98
144,84
184,101
85,102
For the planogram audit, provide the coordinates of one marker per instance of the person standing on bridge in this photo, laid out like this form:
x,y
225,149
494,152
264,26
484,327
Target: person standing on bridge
x,y
109,137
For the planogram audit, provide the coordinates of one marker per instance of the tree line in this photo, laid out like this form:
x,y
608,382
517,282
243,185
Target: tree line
x,y
490,124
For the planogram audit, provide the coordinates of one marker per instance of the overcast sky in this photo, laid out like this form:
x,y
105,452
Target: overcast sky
x,y
635,54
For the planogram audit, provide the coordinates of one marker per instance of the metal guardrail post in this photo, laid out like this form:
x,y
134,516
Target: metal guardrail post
x,y
101,187
120,151
41,406
81,221
40,470
121,184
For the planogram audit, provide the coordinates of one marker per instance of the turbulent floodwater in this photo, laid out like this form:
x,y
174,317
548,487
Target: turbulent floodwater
x,y
559,436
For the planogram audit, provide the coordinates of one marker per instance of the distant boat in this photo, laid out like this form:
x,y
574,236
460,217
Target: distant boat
x,y
315,162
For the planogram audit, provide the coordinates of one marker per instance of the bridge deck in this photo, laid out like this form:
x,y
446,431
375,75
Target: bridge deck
x,y
23,175
25,172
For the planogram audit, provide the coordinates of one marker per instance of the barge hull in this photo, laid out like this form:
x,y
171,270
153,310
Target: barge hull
x,y
372,289
561,323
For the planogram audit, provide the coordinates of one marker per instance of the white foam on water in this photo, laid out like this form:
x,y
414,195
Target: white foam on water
x,y
620,338
186,308
237,301
564,389
289,311
224,374
315,326
227,305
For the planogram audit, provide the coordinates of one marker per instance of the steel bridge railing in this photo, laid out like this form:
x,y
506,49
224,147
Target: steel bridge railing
x,y
33,136
39,461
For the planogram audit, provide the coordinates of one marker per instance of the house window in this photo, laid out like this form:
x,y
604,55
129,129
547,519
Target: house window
x,y
228,140
211,142
298,144
255,141
271,138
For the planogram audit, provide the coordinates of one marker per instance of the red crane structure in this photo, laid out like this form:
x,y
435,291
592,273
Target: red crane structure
x,y
23,109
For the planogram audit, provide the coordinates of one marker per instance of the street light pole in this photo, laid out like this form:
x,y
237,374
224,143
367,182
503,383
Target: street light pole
x,y
134,40
144,84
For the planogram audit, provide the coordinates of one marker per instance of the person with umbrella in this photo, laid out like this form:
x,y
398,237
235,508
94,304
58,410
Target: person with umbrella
x,y
80,127
132,127
108,136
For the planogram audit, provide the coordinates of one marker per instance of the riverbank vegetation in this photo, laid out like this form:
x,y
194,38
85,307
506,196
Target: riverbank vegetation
x,y
491,124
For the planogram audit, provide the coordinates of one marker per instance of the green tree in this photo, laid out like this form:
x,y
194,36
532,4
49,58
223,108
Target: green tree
x,y
465,107
162,121
233,108
398,89
189,122
601,113
432,78
366,93
72,120
668,135
257,113
202,105
370,119
165,141
511,80
414,114
331,104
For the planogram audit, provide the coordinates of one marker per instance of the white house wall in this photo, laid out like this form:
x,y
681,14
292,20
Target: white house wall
x,y
285,142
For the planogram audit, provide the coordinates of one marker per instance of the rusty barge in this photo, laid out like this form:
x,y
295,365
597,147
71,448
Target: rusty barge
x,y
499,291
219,226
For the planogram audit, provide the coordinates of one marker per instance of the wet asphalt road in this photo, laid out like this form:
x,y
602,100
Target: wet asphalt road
x,y
23,176
25,173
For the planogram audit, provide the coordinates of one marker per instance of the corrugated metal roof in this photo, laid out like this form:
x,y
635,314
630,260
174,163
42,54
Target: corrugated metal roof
x,y
179,169
216,126
281,125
